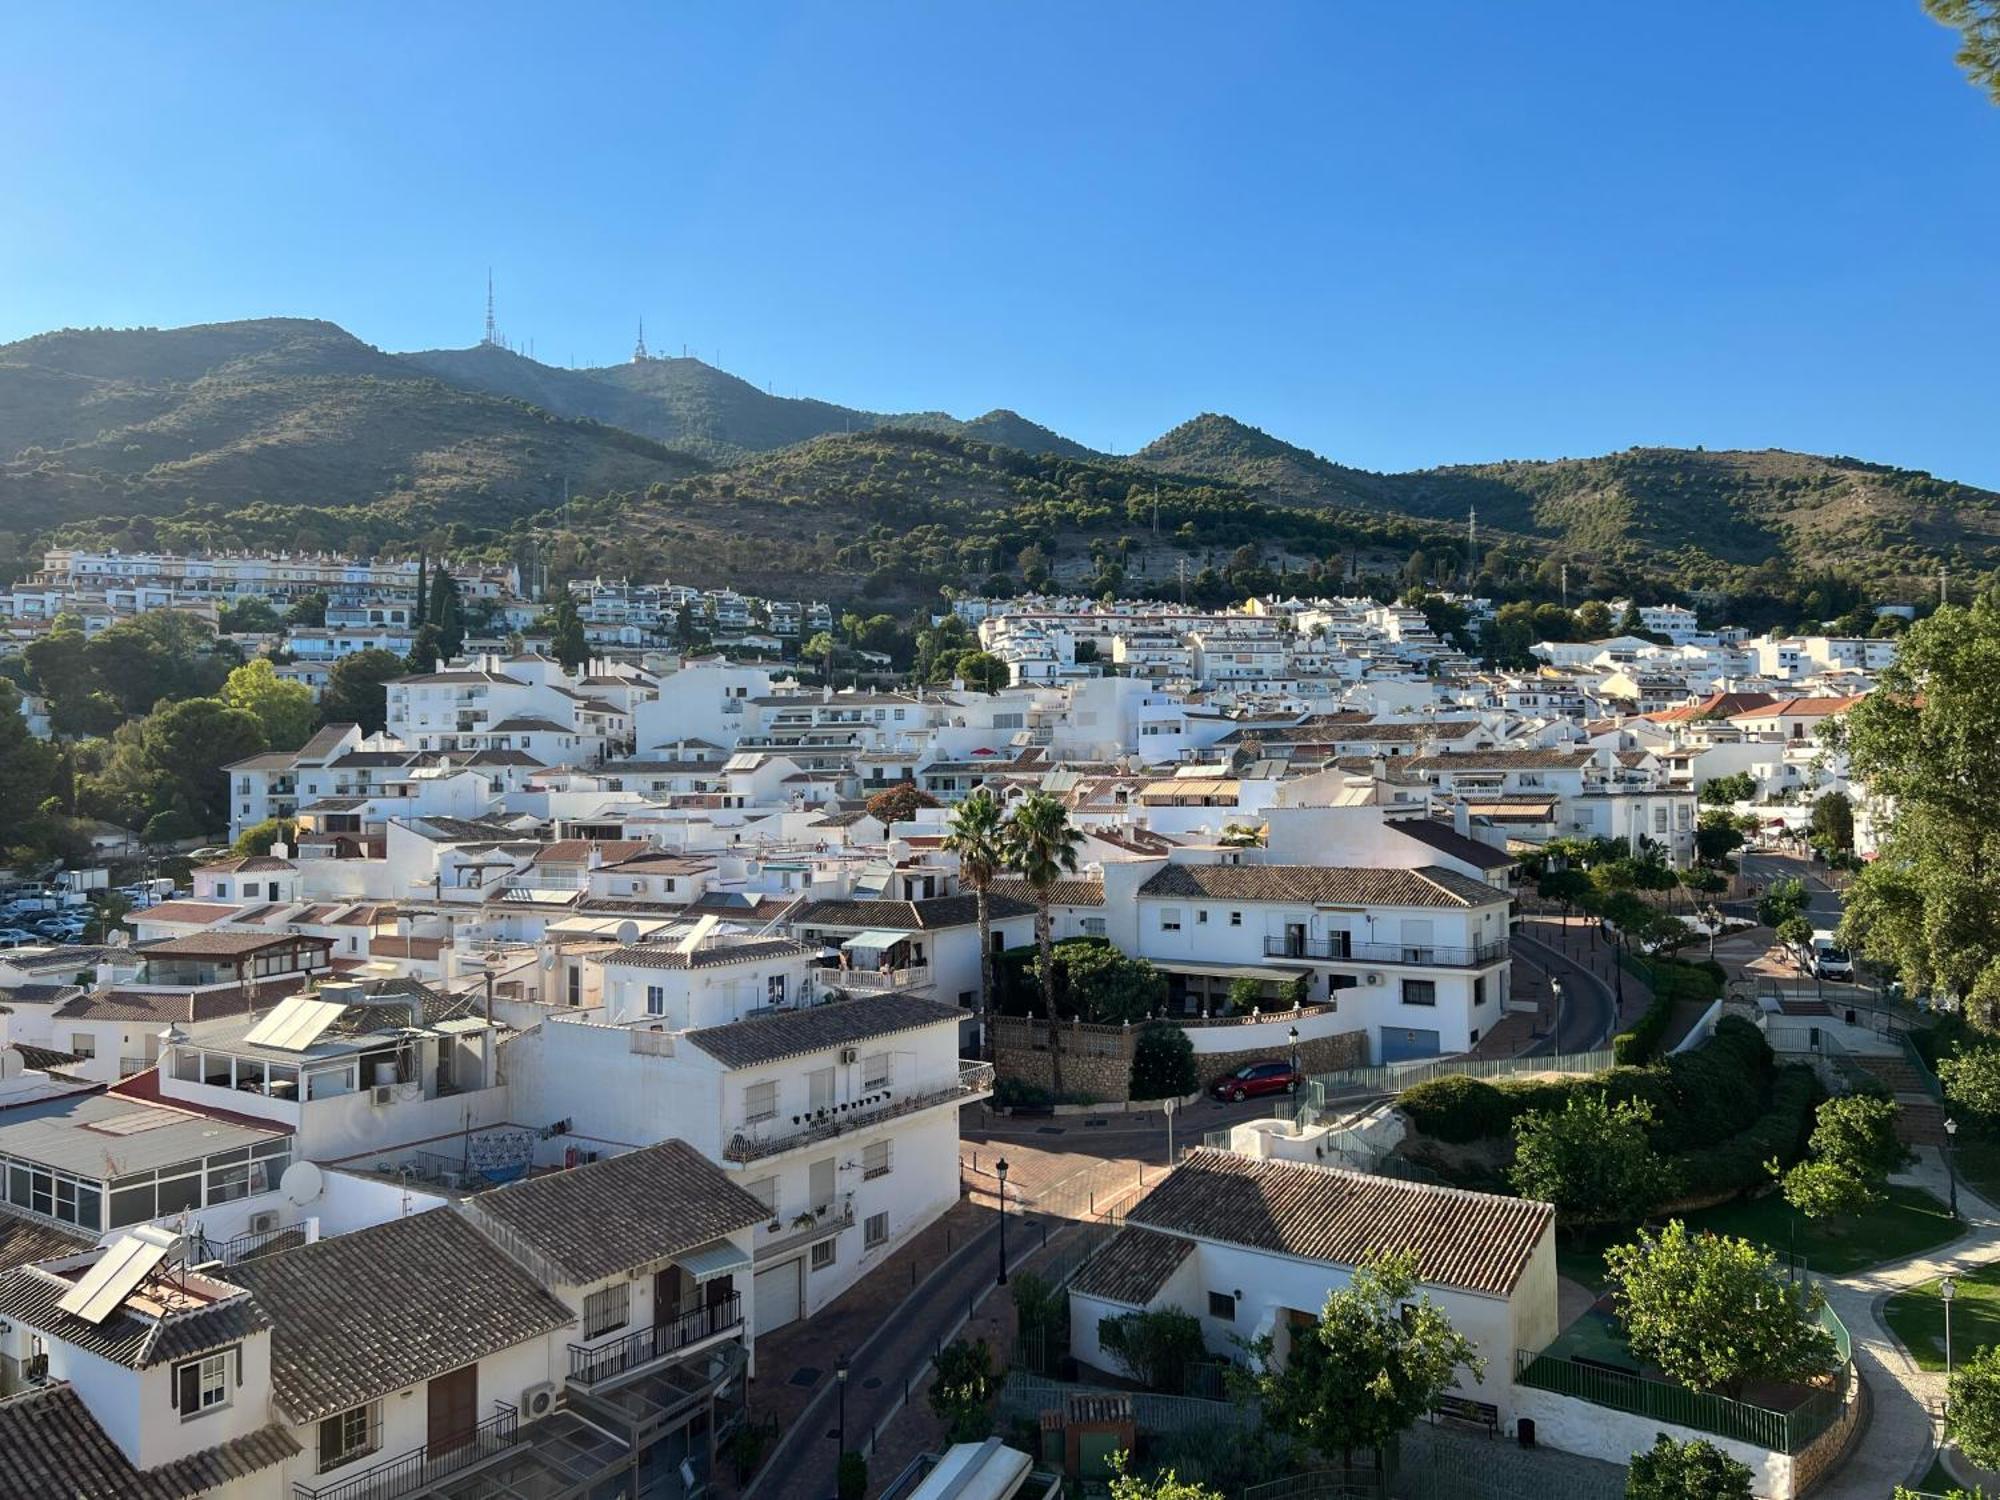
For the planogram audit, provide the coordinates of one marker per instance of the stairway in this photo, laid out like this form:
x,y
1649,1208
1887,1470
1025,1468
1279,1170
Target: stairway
x,y
1919,1124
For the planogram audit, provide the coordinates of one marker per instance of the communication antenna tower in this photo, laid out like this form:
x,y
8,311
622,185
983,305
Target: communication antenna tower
x,y
492,337
639,355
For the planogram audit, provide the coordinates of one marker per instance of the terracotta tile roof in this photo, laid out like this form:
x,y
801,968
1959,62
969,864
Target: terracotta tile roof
x,y
1502,760
254,864
907,916
577,851
186,911
369,1312
614,1216
1133,1267
138,1341
23,1239
1336,885
50,1445
214,944
667,956
1479,1242
793,1033
1069,892
1801,708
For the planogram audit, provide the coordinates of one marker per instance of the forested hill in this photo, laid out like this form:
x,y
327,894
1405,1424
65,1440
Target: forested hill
x,y
286,431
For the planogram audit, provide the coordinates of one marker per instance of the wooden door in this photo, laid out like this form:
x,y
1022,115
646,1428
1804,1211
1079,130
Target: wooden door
x,y
454,1409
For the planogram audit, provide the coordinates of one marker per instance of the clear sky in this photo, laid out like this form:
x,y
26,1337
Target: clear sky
x,y
1398,234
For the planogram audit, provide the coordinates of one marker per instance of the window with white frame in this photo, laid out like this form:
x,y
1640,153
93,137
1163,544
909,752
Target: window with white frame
x,y
1420,992
1093,927
823,1254
875,1231
1170,919
607,1309
875,1160
83,1044
819,1089
349,1435
760,1102
875,1071
202,1385
774,990
656,1000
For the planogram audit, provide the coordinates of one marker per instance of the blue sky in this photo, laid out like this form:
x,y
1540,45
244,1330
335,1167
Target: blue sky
x,y
1397,234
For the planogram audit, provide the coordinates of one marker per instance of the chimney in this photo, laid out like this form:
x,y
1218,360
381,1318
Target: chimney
x,y
1461,817
106,976
281,850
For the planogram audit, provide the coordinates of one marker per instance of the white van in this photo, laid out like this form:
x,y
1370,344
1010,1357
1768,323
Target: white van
x,y
1828,959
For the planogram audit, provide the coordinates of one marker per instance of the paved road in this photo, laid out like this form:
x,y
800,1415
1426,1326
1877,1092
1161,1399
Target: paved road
x,y
1589,1007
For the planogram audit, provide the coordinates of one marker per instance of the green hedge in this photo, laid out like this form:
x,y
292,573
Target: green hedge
x,y
1697,1097
1641,1044
1737,1163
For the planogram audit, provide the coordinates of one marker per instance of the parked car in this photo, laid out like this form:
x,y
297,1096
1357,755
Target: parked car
x,y
1827,959
1255,1079
18,937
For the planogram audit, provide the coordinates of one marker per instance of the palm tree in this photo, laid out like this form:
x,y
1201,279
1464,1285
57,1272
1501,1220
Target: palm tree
x,y
977,835
1041,844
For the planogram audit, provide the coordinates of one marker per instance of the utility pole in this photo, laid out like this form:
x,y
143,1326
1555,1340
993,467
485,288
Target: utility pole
x,y
1565,576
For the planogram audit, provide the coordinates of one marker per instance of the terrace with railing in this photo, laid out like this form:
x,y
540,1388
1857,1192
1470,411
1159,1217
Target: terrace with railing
x,y
413,1472
593,1366
873,981
1415,955
973,1081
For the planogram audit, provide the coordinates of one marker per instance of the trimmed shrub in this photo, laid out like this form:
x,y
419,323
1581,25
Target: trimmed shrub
x,y
1642,1043
1737,1163
1719,1088
1458,1110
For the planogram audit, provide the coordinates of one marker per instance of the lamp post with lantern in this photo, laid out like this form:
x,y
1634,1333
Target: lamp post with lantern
x,y
1000,1171
1951,1162
1947,1293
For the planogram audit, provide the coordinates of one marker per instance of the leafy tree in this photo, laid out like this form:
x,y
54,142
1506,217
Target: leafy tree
x,y
1104,985
1163,1064
356,689
852,1480
1971,1079
1858,1131
170,827
1928,740
190,742
981,671
1713,1312
248,617
1041,845
1164,1486
1795,931
1156,1347
285,708
567,641
1824,1189
1593,1161
1721,791
259,837
976,834
1832,825
1377,1359
1570,887
1978,25
446,615
27,770
964,1387
309,609
1973,1400
1716,836
1782,898
1693,1470
1593,620
900,803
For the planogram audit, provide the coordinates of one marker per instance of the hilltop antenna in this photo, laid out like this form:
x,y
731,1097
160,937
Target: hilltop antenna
x,y
1471,543
491,338
639,355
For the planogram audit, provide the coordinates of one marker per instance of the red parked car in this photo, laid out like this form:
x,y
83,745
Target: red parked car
x,y
1253,1079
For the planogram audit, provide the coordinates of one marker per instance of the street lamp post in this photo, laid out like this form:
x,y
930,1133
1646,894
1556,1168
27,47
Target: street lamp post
x,y
1951,1163
1295,1056
1947,1290
1000,1171
1167,1107
840,1384
1556,994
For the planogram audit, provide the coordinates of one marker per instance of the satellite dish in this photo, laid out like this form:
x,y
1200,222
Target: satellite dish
x,y
301,1183
548,959
627,933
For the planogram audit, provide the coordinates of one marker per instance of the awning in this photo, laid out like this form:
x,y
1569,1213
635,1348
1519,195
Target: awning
x,y
876,939
1274,973
716,1258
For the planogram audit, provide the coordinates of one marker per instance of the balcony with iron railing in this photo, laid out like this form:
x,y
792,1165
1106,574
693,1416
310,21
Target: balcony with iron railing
x,y
1415,955
413,1472
773,1137
597,1365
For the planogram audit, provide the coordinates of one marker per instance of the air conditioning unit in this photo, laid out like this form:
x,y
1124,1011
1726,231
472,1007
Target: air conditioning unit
x,y
451,1179
35,1368
538,1401
384,1094
1374,978
850,1054
265,1222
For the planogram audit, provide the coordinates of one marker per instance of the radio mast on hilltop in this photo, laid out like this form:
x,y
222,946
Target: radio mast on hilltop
x,y
639,355
492,336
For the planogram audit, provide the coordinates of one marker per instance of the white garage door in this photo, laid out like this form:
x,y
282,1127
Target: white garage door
x,y
777,1293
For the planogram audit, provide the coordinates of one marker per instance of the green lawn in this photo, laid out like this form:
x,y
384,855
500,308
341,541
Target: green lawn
x,y
1917,1317
1978,1159
1906,1221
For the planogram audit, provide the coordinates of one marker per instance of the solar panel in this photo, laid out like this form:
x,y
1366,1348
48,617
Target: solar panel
x,y
128,1261
296,1023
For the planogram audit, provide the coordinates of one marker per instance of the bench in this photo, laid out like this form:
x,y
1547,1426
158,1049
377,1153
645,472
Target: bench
x,y
1472,1413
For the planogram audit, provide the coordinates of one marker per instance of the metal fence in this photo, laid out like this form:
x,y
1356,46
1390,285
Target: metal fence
x,y
1627,1391
1030,1395
1393,1078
